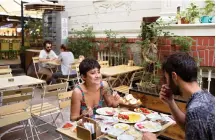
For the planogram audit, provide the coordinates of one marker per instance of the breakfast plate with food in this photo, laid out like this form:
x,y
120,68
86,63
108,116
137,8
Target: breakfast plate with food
x,y
130,117
107,111
148,126
122,126
143,110
130,100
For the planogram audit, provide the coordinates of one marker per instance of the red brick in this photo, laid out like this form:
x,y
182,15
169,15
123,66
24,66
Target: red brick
x,y
194,41
168,42
211,41
207,57
193,48
205,41
200,41
201,47
165,47
194,53
211,58
202,56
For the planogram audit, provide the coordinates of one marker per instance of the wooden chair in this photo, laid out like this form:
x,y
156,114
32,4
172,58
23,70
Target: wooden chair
x,y
35,61
15,104
47,109
64,100
104,64
5,71
74,80
124,88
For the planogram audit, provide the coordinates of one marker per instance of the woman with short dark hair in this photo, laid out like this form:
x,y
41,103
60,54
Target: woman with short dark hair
x,y
91,94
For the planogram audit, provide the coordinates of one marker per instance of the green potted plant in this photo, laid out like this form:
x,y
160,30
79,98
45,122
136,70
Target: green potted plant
x,y
184,43
190,14
208,12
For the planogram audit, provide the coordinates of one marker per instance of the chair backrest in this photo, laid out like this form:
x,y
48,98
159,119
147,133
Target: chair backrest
x,y
104,63
76,67
35,61
53,90
16,100
136,76
64,99
4,66
5,71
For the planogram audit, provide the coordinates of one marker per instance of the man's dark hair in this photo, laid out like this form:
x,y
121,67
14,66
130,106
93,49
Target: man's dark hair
x,y
46,42
183,65
63,47
88,64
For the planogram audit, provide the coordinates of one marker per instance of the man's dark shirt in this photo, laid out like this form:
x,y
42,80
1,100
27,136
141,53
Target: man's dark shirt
x,y
200,117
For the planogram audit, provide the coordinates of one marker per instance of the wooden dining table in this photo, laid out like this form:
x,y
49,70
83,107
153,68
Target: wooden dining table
x,y
17,81
73,134
121,72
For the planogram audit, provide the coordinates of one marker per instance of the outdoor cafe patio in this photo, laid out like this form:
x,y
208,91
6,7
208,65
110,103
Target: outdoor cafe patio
x,y
128,42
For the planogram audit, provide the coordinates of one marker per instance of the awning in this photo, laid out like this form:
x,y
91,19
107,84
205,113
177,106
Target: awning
x,y
13,8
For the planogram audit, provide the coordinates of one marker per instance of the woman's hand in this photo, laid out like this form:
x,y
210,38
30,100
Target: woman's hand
x,y
116,99
87,112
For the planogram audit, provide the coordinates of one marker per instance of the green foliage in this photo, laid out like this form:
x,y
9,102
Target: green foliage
x,y
153,32
35,29
192,12
182,41
209,7
82,42
114,43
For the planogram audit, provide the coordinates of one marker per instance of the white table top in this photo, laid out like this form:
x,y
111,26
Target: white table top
x,y
23,80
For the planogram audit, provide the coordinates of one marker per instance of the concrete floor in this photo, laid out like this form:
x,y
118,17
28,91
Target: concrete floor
x,y
51,134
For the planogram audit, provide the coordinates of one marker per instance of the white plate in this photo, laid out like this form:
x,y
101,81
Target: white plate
x,y
104,110
154,116
125,137
141,117
114,132
122,126
149,126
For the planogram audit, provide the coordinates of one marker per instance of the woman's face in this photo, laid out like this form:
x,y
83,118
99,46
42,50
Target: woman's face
x,y
93,76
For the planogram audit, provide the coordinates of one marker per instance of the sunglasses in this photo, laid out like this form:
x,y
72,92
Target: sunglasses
x,y
48,47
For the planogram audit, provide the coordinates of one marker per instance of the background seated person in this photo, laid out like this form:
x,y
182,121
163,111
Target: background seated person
x,y
47,54
91,94
81,58
66,58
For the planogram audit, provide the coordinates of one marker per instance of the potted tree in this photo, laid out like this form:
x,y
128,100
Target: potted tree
x,y
190,14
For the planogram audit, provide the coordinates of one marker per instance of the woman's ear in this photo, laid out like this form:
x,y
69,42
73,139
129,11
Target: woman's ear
x,y
83,77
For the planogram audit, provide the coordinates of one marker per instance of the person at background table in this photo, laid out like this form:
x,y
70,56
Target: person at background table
x,y
91,94
66,58
180,71
47,54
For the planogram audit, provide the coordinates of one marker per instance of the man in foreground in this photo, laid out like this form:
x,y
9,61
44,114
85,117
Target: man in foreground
x,y
180,71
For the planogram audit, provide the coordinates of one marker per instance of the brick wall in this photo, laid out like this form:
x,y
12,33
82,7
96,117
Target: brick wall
x,y
203,48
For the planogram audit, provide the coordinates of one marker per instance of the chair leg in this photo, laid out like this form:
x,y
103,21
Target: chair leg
x,y
35,128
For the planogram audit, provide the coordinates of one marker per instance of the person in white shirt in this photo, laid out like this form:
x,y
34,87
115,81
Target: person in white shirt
x,y
47,54
66,58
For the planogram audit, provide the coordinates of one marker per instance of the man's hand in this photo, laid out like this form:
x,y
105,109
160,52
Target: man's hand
x,y
149,136
166,95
